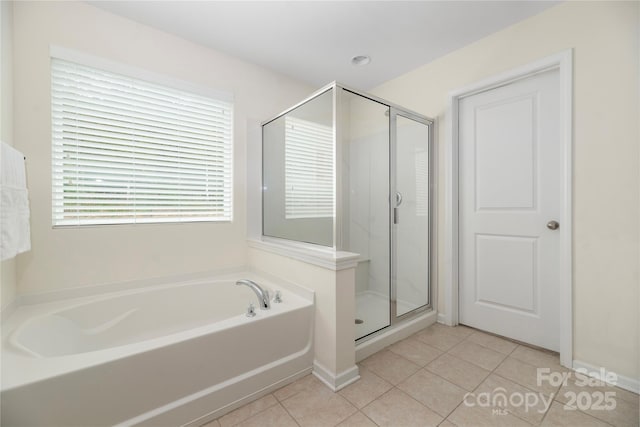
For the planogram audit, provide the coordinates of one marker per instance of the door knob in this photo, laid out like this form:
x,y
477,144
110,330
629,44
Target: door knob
x,y
553,225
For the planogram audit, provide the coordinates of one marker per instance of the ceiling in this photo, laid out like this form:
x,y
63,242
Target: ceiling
x,y
314,41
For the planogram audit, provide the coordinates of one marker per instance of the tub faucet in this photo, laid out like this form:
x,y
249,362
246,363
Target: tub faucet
x,y
263,294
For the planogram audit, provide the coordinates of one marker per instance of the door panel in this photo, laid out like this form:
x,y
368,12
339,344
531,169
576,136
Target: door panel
x,y
506,130
411,222
510,187
513,287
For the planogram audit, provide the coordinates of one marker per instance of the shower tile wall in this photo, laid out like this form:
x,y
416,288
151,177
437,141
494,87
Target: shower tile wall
x,y
369,212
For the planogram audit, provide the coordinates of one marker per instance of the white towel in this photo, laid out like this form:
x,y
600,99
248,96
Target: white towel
x,y
15,236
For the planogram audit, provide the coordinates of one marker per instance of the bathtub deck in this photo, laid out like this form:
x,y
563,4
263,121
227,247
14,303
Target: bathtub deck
x,y
423,381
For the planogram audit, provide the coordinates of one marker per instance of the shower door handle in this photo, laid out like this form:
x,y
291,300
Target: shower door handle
x,y
395,210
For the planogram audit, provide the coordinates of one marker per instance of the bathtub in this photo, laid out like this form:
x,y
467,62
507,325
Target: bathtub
x,y
170,354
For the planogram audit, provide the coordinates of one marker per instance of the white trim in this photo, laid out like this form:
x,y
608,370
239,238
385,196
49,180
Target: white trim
x,y
338,169
89,60
442,319
434,265
306,252
451,218
335,382
253,197
562,61
316,93
624,382
565,66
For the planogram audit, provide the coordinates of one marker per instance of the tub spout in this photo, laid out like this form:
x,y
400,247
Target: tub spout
x,y
263,294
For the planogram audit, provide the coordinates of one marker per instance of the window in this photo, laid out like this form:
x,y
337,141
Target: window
x,y
128,151
308,169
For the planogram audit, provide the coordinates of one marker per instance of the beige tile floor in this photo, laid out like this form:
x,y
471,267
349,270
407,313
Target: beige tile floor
x,y
423,381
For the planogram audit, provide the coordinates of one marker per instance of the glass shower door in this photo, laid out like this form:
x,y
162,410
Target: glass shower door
x,y
365,179
410,215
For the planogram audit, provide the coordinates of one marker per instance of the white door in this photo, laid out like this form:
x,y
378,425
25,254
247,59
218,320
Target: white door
x,y
510,178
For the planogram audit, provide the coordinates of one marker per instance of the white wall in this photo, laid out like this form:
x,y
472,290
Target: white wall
x,y
604,36
8,267
73,257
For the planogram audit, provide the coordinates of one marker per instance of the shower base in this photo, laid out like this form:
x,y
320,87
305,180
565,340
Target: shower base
x,y
373,309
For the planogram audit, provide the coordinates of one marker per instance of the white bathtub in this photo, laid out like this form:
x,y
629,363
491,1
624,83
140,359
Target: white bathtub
x,y
162,355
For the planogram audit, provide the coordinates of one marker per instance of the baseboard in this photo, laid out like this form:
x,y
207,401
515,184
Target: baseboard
x,y
248,399
624,382
442,319
336,382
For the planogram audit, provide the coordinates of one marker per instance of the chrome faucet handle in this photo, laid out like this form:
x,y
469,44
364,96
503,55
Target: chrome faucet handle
x,y
251,310
278,297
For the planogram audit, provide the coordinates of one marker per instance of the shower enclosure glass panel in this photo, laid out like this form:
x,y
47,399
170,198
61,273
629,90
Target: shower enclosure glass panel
x,y
411,214
366,226
353,172
298,173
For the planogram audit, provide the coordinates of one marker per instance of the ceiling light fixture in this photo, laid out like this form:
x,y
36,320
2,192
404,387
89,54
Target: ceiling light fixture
x,y
360,60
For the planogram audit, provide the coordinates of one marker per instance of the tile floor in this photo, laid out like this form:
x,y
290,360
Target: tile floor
x,y
423,381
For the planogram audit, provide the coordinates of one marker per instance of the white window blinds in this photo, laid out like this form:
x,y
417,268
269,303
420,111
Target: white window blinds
x,y
308,169
129,151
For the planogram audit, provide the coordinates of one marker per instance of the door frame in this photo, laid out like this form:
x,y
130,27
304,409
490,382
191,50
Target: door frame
x,y
563,62
394,112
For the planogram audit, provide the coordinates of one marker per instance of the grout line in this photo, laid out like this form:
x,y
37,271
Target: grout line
x,y
420,403
413,338
294,394
546,413
459,386
579,411
485,378
518,345
476,387
289,413
379,397
490,372
433,373
535,366
367,417
252,415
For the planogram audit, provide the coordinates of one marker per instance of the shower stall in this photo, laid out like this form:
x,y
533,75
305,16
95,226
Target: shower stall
x,y
353,172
